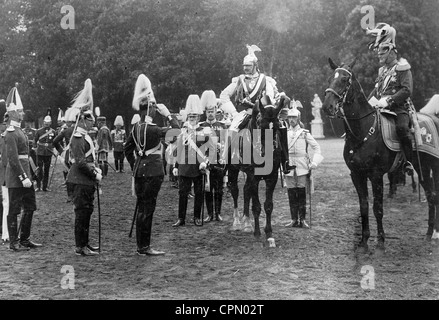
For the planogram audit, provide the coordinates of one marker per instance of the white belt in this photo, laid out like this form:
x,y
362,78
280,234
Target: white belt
x,y
23,156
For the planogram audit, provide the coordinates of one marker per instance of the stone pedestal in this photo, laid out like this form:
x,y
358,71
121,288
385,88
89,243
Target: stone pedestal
x,y
317,129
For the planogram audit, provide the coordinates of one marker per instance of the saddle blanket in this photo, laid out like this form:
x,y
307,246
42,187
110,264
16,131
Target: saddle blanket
x,y
429,132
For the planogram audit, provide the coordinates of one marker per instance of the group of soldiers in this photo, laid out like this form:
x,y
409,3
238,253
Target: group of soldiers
x,y
193,163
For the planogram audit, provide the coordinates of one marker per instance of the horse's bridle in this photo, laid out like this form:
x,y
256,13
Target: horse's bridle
x,y
342,100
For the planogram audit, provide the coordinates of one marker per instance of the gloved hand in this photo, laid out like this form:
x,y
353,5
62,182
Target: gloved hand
x,y
98,177
175,172
98,170
161,108
313,166
203,166
26,183
382,103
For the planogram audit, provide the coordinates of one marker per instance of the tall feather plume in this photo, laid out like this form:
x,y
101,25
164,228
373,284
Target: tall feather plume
x,y
84,98
208,100
142,91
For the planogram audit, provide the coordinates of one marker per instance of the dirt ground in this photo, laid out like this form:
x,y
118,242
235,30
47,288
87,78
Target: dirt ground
x,y
214,263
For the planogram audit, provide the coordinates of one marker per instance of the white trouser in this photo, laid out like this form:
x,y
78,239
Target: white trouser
x,y
5,202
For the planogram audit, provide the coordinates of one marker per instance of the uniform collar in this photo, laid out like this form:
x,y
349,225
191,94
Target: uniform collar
x,y
81,130
15,123
211,122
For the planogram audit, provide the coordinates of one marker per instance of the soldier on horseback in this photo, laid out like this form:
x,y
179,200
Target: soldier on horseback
x,y
394,86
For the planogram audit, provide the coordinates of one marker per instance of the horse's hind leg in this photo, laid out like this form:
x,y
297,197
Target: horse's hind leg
x,y
377,187
431,196
249,193
270,185
360,183
234,190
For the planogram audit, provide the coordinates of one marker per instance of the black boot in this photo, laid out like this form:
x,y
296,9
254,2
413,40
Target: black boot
x,y
105,171
182,207
302,208
25,231
294,208
13,238
218,203
406,145
209,206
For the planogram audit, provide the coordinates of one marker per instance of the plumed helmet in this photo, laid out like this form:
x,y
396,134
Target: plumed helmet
x,y
2,104
193,105
47,119
251,58
101,119
293,112
135,119
118,121
13,101
142,91
208,100
61,115
70,115
384,34
83,100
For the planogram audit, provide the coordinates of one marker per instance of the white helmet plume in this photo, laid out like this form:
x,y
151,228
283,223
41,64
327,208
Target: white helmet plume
x,y
84,98
142,91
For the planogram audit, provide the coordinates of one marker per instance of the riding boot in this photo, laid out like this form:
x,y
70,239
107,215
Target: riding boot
x,y
121,166
218,203
407,148
302,207
13,237
294,208
209,206
283,137
105,171
80,228
25,231
182,208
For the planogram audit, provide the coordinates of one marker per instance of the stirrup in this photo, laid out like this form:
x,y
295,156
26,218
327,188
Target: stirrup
x,y
408,168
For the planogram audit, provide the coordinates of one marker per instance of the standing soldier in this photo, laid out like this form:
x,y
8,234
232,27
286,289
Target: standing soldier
x,y
301,165
61,122
118,137
83,174
104,144
212,127
143,152
18,177
4,192
44,144
191,162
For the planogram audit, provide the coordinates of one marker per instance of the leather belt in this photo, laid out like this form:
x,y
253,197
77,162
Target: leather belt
x,y
23,156
43,144
73,161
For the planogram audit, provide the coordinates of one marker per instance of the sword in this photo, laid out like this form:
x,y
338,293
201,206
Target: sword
x,y
99,217
310,197
53,171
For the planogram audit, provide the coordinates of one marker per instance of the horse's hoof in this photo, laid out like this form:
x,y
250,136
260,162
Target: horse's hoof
x,y
428,237
271,243
362,249
435,235
236,225
379,250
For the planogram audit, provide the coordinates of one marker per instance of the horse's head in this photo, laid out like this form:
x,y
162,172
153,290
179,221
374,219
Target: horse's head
x,y
269,111
339,84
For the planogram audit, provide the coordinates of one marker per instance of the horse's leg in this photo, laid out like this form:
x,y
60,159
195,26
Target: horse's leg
x,y
234,191
430,194
377,188
392,184
248,194
436,202
256,206
270,185
360,183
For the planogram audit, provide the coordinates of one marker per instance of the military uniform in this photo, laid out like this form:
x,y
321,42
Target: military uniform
x,y
104,145
118,137
82,176
299,140
17,170
4,194
61,144
30,133
214,196
44,144
143,152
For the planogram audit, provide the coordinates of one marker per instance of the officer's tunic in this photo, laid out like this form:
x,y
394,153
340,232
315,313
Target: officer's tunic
x,y
44,143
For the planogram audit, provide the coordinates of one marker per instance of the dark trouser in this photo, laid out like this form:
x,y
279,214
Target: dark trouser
x,y
83,197
185,184
18,198
69,186
297,201
118,160
44,164
103,162
283,140
215,197
403,132
147,189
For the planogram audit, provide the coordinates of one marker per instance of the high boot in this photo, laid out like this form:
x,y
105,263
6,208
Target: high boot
x,y
294,208
105,171
406,145
218,203
121,166
13,238
25,231
182,208
302,208
209,206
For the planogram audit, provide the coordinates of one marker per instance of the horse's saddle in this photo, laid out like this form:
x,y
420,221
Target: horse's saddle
x,y
429,125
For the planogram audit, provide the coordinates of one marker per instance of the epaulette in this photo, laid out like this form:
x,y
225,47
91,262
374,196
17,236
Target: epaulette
x,y
77,134
10,129
403,65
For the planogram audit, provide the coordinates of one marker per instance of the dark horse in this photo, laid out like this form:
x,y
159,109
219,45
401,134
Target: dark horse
x,y
252,147
367,156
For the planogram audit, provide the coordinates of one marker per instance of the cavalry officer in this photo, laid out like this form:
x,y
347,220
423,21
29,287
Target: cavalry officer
x,y
104,144
118,138
143,152
394,86
212,127
83,174
44,144
190,163
297,180
18,177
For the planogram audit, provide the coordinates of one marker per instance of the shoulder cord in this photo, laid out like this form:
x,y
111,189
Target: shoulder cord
x,y
140,148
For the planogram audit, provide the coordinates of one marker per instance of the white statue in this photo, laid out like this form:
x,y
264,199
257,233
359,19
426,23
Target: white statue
x,y
317,105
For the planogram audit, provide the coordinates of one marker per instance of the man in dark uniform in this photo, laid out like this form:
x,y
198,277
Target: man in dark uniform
x,y
61,143
83,174
104,144
18,177
30,132
143,152
212,127
44,144
118,137
394,86
191,163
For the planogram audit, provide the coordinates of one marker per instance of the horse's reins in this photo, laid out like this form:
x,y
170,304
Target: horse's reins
x,y
342,100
